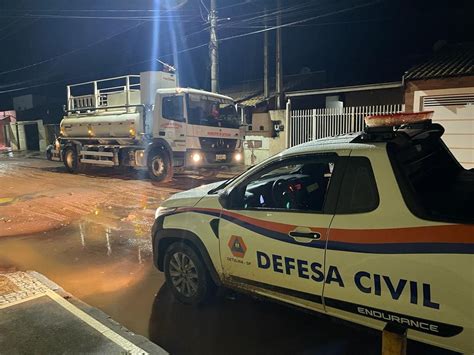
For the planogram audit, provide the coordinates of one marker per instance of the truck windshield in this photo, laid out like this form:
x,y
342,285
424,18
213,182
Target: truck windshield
x,y
211,111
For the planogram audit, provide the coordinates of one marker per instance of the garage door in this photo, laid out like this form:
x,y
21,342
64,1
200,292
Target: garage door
x,y
456,114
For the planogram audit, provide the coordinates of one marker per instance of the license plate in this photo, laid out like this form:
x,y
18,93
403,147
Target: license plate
x,y
221,157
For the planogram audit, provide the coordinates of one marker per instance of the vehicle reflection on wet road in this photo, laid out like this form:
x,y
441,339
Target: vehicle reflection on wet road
x,y
239,324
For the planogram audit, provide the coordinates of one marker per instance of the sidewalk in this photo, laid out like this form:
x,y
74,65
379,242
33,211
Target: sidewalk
x,y
37,316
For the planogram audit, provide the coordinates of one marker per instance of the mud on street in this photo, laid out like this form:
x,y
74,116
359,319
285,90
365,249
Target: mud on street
x,y
90,233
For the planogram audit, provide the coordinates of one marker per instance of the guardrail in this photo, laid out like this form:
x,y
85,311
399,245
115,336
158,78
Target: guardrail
x,y
94,95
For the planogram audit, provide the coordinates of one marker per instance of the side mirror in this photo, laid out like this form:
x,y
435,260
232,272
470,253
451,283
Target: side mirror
x,y
224,199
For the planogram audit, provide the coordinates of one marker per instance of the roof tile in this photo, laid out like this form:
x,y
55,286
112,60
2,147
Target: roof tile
x,y
450,61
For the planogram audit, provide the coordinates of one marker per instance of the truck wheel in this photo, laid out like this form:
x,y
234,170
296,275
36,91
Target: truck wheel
x,y
71,160
159,166
186,275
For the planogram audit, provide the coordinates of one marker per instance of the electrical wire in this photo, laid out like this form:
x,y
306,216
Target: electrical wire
x,y
91,17
288,24
9,25
18,29
95,10
246,2
265,30
272,28
319,24
73,51
204,5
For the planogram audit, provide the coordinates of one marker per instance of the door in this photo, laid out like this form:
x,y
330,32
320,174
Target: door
x,y
32,136
273,234
456,114
172,126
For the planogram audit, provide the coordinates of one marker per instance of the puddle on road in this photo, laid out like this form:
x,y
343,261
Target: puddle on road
x,y
105,260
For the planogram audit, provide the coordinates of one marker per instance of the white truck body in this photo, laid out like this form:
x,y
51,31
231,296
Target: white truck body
x,y
126,121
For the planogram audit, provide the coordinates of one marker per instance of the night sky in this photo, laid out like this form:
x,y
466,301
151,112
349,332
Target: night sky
x,y
50,43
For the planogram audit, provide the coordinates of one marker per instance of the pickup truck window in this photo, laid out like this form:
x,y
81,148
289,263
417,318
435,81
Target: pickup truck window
x,y
434,185
294,185
358,192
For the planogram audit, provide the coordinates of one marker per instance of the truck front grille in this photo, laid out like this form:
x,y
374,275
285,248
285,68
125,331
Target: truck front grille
x,y
217,144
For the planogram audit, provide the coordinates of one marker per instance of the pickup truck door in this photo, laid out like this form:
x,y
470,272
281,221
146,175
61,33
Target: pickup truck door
x,y
272,235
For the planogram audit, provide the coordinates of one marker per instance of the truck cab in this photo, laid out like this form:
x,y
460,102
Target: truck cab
x,y
204,126
147,122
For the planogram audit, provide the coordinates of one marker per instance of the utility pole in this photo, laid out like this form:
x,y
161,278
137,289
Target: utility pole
x,y
213,48
279,69
266,90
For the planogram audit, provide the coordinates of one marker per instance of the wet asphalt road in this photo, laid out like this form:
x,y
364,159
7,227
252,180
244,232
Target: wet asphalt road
x,y
102,254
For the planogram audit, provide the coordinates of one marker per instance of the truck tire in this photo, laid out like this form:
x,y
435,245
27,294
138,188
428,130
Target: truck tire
x,y
71,160
186,275
159,166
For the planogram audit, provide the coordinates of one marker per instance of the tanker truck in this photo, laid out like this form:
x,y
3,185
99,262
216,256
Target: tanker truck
x,y
147,122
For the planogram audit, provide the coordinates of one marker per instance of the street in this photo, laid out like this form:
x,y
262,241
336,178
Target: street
x,y
90,233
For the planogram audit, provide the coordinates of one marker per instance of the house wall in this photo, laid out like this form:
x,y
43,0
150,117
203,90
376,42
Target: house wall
x,y
258,147
412,87
391,96
24,102
457,117
18,139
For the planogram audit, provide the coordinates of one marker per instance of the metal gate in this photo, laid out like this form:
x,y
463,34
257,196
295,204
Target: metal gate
x,y
307,125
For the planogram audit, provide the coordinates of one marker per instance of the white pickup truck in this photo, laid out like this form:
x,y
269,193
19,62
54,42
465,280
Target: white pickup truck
x,y
374,227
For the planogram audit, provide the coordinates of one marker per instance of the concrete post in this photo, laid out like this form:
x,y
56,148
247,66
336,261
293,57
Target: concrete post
x,y
288,123
213,48
266,78
14,136
21,137
43,142
279,65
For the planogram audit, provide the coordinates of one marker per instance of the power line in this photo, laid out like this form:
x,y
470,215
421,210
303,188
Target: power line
x,y
21,27
71,52
95,10
230,38
318,24
204,5
9,25
187,18
32,86
300,21
247,2
265,29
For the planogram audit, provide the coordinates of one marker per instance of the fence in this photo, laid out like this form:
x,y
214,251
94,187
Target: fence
x,y
307,125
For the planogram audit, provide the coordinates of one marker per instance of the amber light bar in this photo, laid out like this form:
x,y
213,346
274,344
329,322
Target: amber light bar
x,y
397,119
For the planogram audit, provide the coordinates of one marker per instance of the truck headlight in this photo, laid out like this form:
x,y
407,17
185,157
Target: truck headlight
x,y
163,210
196,157
238,156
